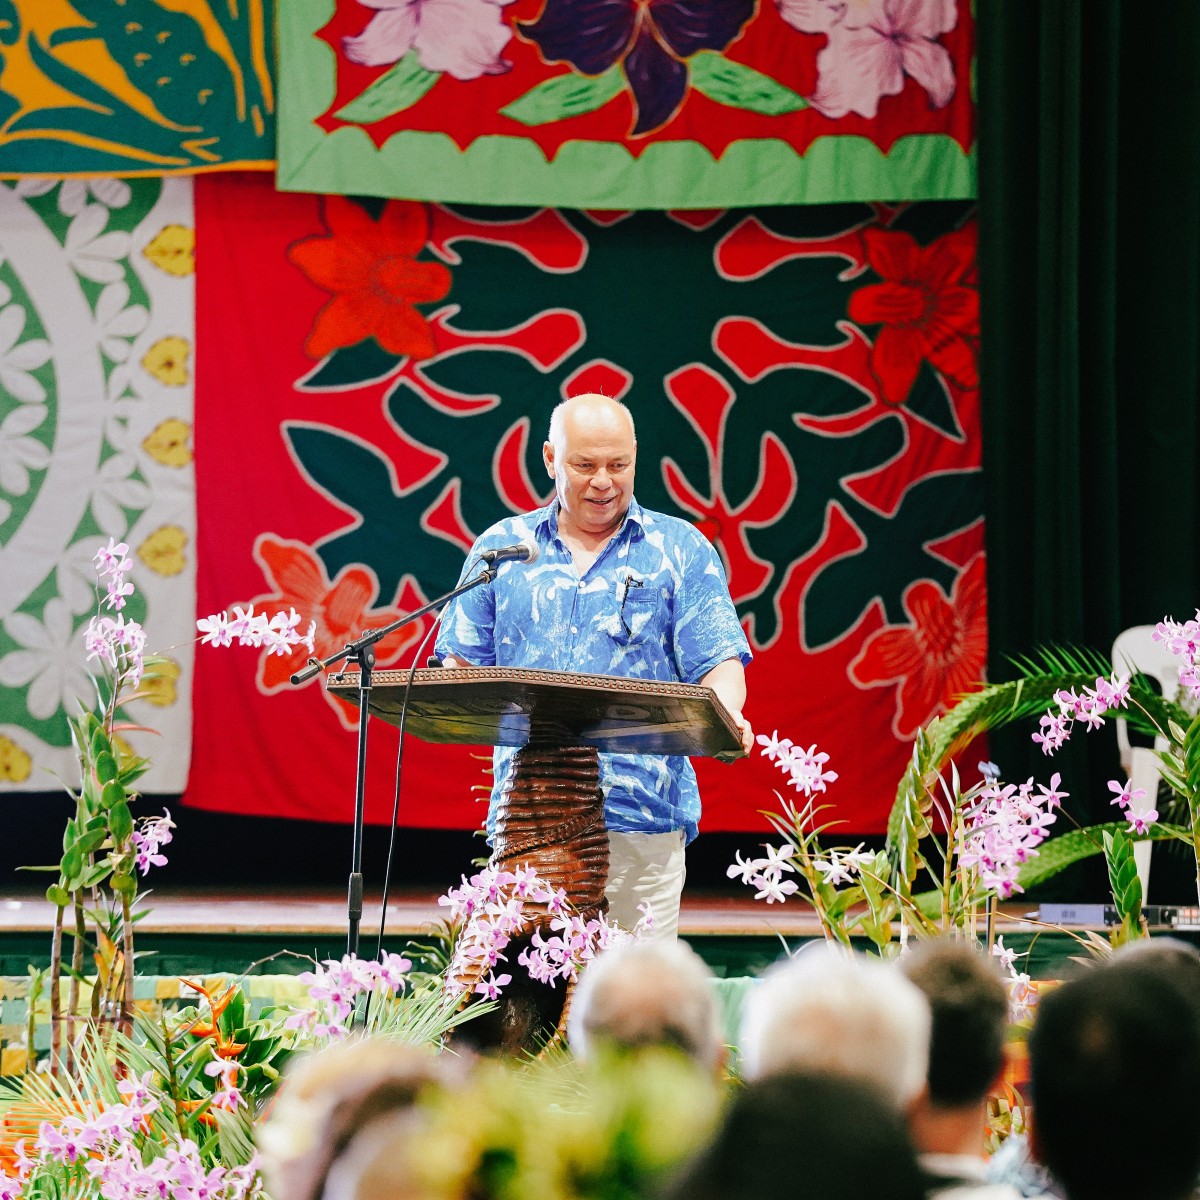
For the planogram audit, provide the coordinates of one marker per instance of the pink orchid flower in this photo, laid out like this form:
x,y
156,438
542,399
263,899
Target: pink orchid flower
x,y
462,38
873,45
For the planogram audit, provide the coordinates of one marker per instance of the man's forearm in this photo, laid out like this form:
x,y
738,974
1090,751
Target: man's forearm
x,y
728,680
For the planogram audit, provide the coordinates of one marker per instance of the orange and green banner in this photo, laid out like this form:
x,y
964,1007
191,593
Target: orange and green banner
x,y
135,87
607,104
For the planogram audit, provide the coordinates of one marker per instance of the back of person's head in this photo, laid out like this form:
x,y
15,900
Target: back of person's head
x,y
969,1004
654,993
828,1009
1117,1048
1172,957
329,1098
802,1134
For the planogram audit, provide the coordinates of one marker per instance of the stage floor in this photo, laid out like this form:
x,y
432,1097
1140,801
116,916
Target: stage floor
x,y
287,912
410,913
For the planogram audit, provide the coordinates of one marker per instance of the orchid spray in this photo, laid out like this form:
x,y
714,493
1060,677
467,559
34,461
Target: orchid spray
x,y
846,887
497,909
122,1144
1177,723
984,835
104,848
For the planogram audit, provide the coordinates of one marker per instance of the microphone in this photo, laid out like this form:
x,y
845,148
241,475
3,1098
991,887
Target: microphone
x,y
526,552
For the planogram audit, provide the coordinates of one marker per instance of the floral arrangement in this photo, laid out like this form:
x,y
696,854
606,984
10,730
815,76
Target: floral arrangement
x,y
104,848
988,838
494,907
446,1126
131,1105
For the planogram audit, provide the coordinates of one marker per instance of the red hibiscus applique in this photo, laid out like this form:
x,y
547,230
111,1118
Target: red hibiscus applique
x,y
372,269
938,657
341,609
926,307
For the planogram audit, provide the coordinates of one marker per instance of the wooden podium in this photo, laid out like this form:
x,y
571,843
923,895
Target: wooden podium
x,y
506,706
551,815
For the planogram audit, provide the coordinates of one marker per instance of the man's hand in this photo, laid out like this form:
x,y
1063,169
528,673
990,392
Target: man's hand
x,y
728,680
745,730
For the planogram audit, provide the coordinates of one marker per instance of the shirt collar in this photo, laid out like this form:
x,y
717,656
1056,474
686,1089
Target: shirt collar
x,y
546,519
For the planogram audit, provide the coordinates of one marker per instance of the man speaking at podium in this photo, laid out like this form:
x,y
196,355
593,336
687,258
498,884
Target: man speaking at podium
x,y
610,588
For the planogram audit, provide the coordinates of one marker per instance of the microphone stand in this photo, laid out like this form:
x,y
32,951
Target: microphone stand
x,y
362,650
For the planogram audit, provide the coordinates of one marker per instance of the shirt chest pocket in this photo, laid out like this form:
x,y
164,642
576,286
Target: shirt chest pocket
x,y
640,607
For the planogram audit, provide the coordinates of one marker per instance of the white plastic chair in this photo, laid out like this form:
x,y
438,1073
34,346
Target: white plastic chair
x,y
1135,650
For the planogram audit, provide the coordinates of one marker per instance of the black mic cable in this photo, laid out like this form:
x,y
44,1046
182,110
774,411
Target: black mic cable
x,y
387,872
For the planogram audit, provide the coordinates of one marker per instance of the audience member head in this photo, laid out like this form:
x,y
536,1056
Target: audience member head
x,y
828,1009
1176,960
330,1100
969,1005
801,1134
1118,1048
654,993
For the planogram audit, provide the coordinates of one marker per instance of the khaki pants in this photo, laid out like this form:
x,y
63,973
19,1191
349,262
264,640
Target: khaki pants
x,y
646,868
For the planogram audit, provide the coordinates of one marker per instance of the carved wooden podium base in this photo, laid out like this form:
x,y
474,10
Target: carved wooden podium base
x,y
551,818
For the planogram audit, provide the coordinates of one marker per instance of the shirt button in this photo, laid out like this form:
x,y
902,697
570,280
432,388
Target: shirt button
x,y
574,628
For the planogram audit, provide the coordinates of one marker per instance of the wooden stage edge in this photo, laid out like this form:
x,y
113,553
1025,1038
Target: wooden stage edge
x,y
287,912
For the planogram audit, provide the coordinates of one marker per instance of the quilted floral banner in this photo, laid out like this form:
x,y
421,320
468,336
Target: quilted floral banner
x,y
380,378
135,87
96,317
608,104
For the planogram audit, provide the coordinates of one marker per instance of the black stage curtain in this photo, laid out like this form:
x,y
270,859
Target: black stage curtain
x,y
1089,158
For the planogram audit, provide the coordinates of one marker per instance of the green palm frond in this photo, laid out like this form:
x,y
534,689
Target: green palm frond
x,y
235,1139
423,1017
92,1087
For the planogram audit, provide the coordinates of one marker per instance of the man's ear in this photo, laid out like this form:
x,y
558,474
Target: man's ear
x,y
548,457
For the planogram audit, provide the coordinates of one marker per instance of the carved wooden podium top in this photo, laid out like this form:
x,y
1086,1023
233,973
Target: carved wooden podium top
x,y
501,705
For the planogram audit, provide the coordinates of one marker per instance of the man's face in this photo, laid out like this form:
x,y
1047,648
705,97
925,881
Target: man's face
x,y
593,468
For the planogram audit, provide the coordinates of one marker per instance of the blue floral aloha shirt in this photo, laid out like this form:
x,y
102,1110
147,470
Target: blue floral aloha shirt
x,y
654,605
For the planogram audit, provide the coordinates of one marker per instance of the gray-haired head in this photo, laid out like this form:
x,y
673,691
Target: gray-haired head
x,y
654,993
832,1010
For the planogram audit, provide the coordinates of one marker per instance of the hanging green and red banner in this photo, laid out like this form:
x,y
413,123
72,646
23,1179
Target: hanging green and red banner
x,y
607,104
375,391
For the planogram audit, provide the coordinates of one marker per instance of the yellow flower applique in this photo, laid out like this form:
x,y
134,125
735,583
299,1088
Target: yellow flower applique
x,y
15,763
173,249
158,684
167,443
163,550
167,359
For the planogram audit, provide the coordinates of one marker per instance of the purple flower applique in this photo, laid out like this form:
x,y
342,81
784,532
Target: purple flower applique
x,y
650,39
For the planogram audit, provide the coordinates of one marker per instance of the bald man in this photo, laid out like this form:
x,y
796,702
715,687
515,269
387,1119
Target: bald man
x,y
616,590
